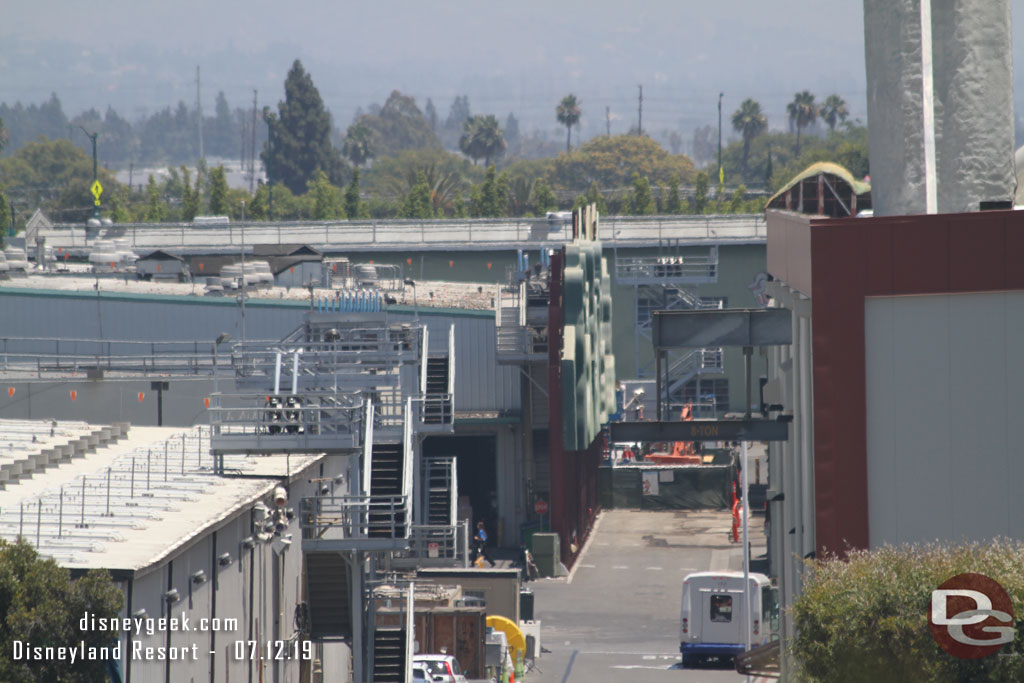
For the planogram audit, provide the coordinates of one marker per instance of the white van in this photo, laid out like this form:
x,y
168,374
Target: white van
x,y
713,612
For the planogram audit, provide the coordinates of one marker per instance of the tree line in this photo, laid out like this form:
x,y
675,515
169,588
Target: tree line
x,y
397,161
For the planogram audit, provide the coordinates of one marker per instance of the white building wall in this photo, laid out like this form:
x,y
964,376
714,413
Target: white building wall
x,y
276,591
942,372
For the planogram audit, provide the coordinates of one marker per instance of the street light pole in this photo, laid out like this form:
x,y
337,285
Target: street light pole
x,y
96,203
721,173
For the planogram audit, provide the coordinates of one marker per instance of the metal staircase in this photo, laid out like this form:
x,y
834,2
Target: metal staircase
x,y
389,655
386,484
329,586
436,409
442,490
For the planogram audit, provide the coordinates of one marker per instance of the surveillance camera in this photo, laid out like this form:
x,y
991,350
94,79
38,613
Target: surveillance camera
x,y
172,596
638,392
324,489
139,614
249,543
198,577
280,497
224,560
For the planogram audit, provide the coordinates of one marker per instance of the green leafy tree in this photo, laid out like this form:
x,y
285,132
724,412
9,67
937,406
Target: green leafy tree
x,y
189,197
358,147
568,114
445,173
834,111
640,202
417,202
156,208
491,196
257,209
700,193
352,209
749,121
520,190
459,206
39,603
217,199
543,197
5,213
802,112
399,125
482,138
737,203
864,617
673,203
613,161
300,136
327,200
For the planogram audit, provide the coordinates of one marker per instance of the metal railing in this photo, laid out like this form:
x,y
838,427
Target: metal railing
x,y
436,545
44,356
273,420
656,269
354,518
616,230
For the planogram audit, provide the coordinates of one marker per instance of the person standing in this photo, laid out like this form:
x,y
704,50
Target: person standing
x,y
480,543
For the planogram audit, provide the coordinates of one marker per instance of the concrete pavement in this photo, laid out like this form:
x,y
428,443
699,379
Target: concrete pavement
x,y
616,616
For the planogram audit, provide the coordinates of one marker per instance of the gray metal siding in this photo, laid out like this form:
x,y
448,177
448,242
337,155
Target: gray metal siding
x,y
480,383
942,459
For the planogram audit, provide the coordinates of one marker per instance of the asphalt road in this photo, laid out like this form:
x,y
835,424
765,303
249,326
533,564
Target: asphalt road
x,y
616,617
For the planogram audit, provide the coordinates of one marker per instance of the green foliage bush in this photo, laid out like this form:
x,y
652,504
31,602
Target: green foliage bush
x,y
865,617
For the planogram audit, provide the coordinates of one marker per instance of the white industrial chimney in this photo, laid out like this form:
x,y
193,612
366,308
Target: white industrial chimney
x,y
972,95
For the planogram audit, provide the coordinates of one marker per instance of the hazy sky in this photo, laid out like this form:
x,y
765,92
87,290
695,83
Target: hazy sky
x,y
518,57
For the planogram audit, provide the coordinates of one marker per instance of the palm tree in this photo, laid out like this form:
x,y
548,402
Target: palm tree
x,y
568,114
802,113
482,138
749,122
834,111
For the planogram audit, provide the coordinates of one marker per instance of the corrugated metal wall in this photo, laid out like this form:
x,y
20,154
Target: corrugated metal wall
x,y
480,383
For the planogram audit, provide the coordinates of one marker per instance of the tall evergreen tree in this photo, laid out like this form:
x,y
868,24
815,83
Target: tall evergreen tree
x,y
300,136
641,203
417,203
700,193
673,203
352,196
156,209
218,196
543,197
189,197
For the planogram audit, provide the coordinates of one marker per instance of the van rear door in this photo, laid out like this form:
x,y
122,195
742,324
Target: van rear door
x,y
722,611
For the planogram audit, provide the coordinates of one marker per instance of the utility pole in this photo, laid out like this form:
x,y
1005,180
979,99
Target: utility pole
x,y
608,120
270,183
640,111
252,149
96,203
721,173
199,115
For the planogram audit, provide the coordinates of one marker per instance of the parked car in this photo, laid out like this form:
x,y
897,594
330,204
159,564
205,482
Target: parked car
x,y
443,668
419,673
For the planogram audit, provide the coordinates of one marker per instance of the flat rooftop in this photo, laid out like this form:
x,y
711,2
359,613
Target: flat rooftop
x,y
428,294
126,505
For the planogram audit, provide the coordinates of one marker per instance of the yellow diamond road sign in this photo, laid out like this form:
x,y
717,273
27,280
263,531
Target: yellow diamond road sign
x,y
96,189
